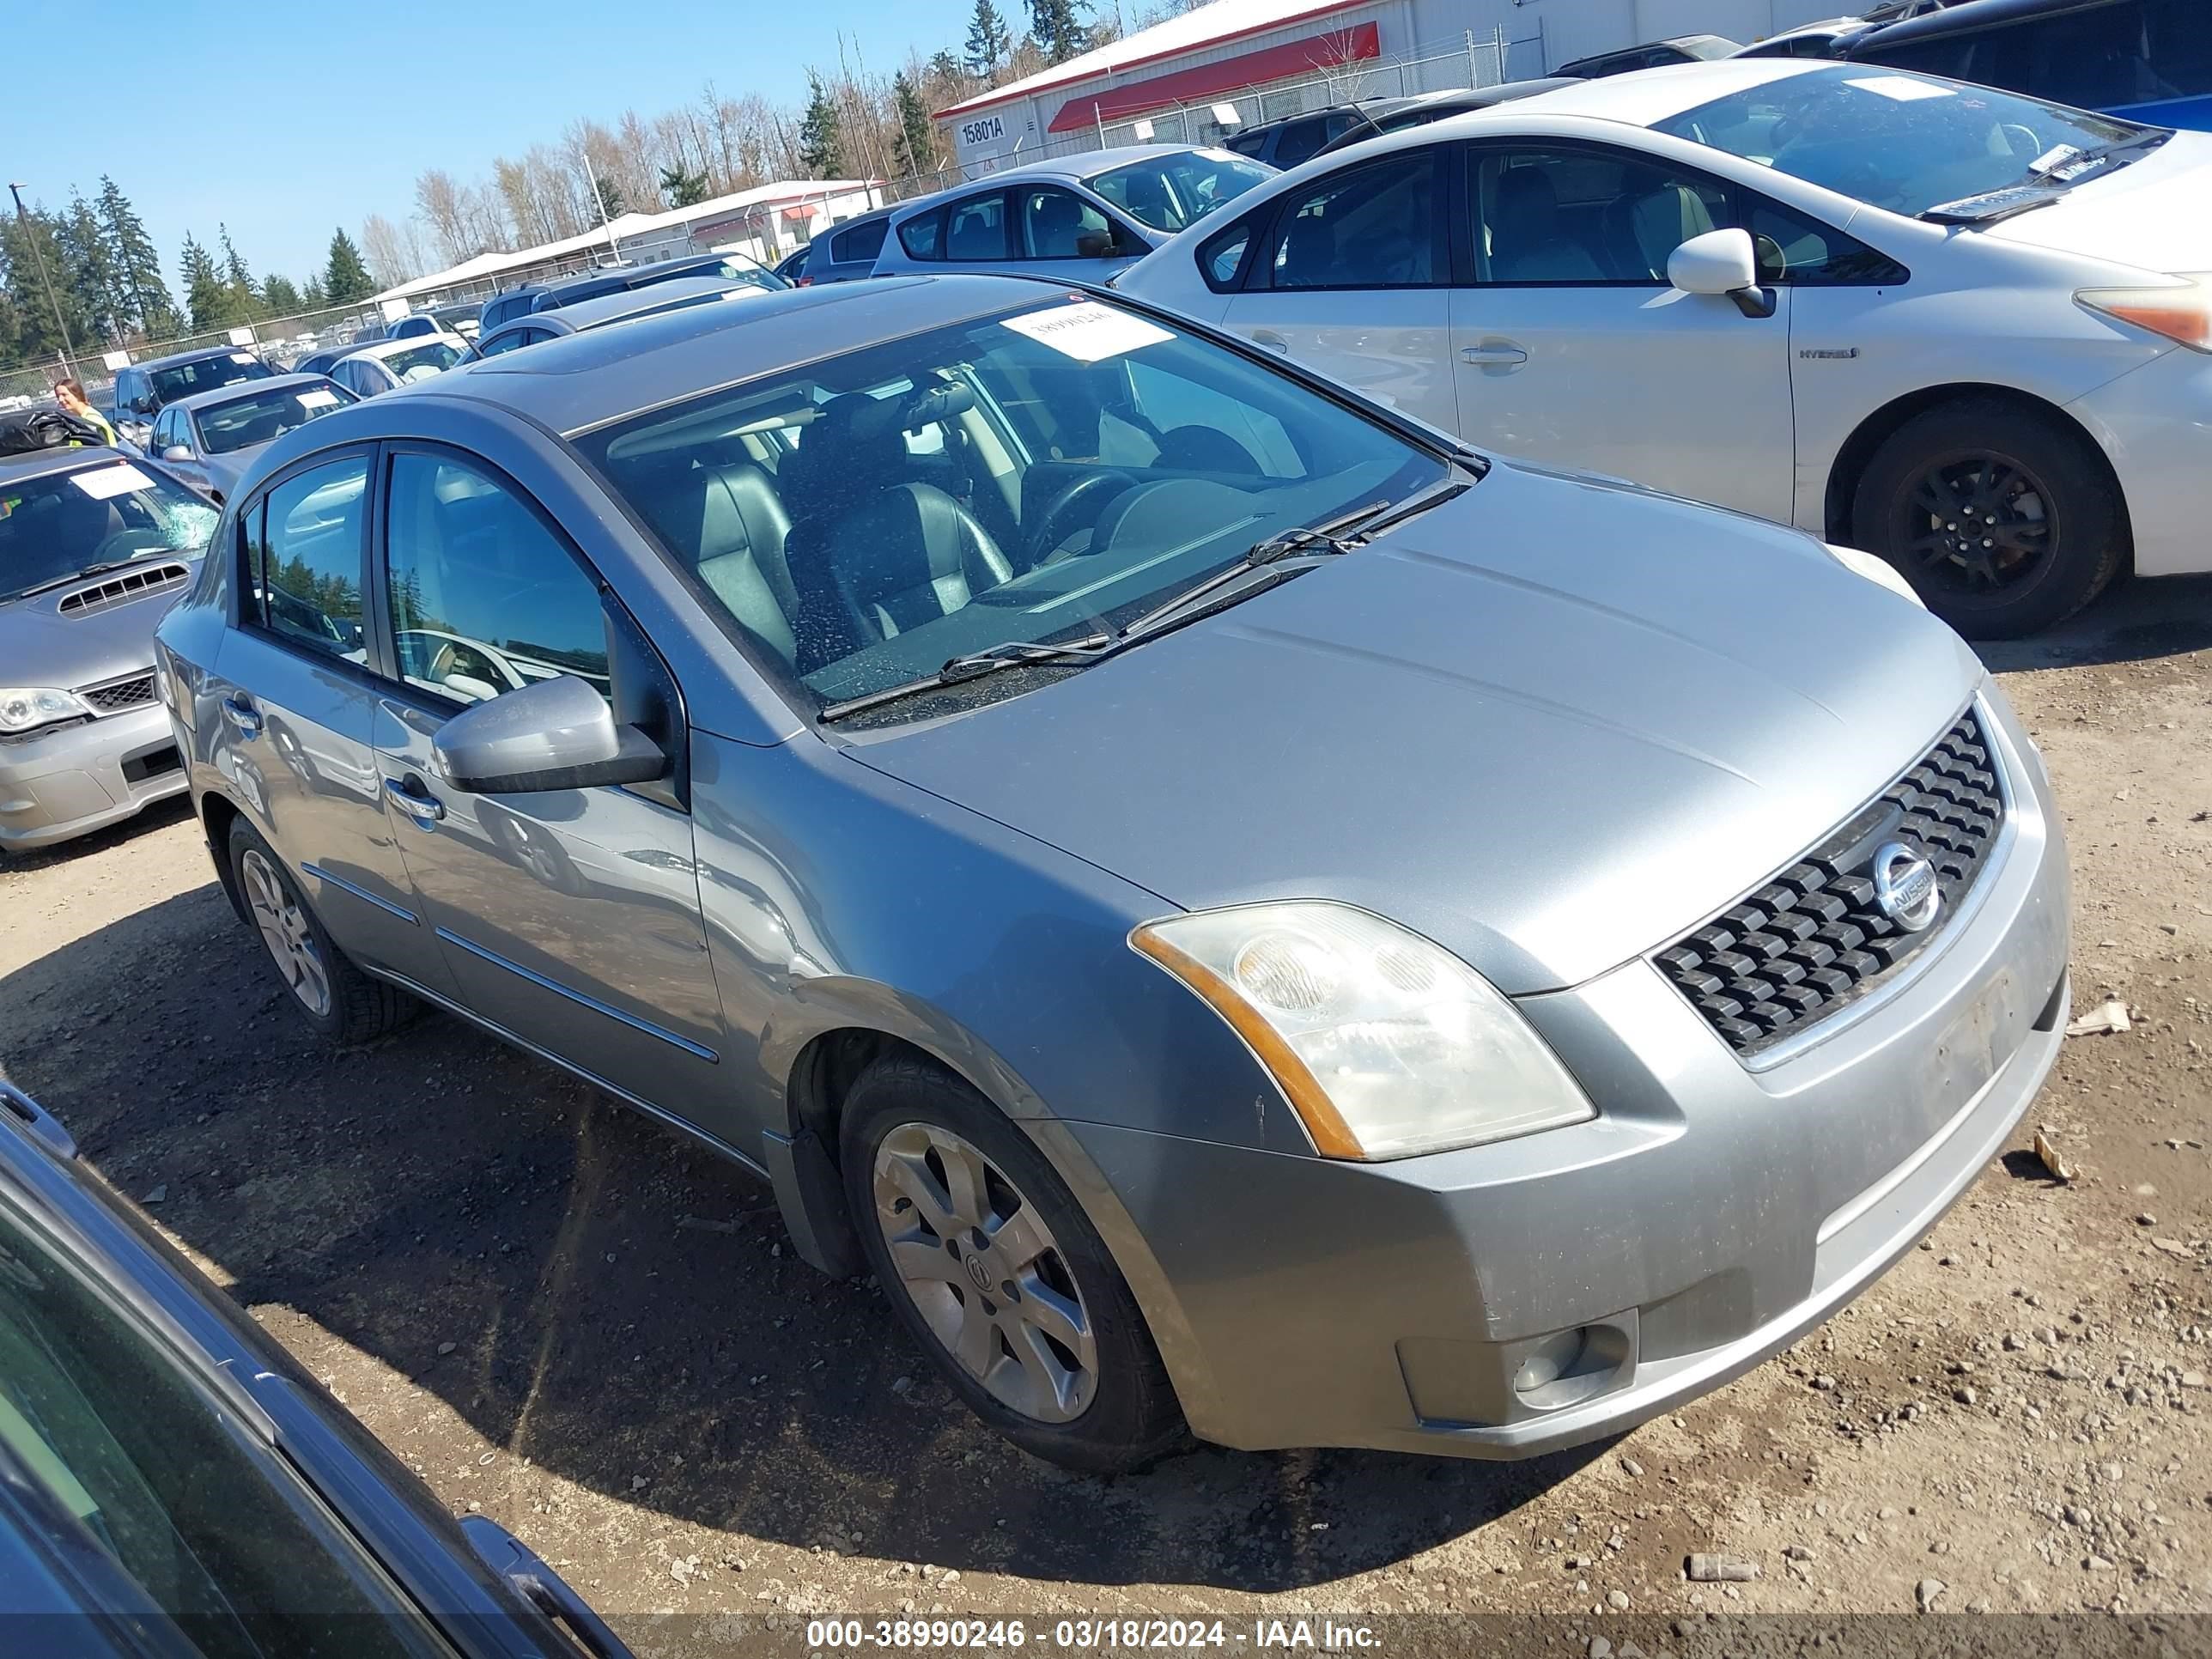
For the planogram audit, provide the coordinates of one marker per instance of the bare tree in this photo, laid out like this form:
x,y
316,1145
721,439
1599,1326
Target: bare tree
x,y
389,256
437,199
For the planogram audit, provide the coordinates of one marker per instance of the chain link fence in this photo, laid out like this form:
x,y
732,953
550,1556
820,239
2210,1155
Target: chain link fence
x,y
1479,60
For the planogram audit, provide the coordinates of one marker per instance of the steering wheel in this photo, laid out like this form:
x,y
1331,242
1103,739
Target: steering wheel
x,y
1045,540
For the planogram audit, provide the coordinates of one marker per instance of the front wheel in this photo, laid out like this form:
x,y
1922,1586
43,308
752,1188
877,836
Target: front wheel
x,y
996,1271
341,1002
2004,522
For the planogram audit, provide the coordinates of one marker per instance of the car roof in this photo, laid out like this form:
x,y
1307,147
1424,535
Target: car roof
x,y
382,349
197,355
636,302
1084,164
586,380
40,462
239,390
646,275
1971,15
1642,97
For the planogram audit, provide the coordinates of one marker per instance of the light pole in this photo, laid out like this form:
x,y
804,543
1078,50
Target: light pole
x,y
600,202
52,299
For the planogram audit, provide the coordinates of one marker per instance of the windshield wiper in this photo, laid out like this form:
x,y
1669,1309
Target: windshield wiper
x,y
2068,168
1343,534
48,586
1013,654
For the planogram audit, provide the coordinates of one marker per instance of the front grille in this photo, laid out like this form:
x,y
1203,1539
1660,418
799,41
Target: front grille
x,y
1812,940
116,696
120,589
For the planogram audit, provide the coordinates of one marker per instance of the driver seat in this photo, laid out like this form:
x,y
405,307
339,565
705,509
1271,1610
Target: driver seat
x,y
909,555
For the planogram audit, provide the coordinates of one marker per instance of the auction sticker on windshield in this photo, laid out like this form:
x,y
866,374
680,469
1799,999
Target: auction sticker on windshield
x,y
1088,331
103,482
316,397
1899,88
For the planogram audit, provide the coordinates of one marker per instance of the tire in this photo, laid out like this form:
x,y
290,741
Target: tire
x,y
340,1002
2059,532
1113,1411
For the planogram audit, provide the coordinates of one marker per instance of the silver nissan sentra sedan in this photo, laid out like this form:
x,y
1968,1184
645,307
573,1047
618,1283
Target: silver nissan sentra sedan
x,y
1251,920
94,546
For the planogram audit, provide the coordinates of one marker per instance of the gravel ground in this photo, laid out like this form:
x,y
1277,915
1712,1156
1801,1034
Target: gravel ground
x,y
566,1318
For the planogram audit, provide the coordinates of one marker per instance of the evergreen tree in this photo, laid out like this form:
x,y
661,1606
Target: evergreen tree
x,y
242,286
681,189
915,147
88,275
24,244
280,298
821,146
311,296
345,279
989,41
212,302
138,267
1058,34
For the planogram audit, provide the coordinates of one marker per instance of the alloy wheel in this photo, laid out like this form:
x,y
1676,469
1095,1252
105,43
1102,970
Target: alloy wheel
x,y
1977,524
980,1264
285,930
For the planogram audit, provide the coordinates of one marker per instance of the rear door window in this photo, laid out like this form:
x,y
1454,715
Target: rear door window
x,y
304,558
1056,222
849,247
975,229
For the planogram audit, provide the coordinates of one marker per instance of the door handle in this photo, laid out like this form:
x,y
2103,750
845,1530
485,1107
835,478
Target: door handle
x,y
1267,338
244,718
1493,356
414,799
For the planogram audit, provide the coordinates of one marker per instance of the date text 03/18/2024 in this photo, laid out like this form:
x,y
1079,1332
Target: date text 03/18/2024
x,y
1092,1635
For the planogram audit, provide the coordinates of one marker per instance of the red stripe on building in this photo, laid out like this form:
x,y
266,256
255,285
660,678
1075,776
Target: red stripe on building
x,y
1315,54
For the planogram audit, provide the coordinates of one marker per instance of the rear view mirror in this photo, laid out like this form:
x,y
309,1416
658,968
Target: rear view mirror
x,y
1721,262
551,734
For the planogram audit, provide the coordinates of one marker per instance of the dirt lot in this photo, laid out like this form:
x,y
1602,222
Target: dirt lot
x,y
599,1336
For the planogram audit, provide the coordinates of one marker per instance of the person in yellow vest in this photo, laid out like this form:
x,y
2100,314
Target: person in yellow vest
x,y
69,394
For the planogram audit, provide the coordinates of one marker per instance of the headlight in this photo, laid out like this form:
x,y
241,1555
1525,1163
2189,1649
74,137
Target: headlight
x,y
1385,1044
2181,310
25,707
1877,570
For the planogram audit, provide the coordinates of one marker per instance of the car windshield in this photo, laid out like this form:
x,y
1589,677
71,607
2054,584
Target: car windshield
x,y
245,422
420,362
57,524
1166,192
1907,142
205,373
1031,478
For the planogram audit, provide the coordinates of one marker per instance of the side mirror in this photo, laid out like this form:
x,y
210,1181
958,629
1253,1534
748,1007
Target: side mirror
x,y
551,734
143,403
177,452
1094,244
1721,262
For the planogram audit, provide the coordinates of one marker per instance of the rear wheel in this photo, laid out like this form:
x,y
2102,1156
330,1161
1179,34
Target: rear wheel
x,y
332,996
997,1273
2003,520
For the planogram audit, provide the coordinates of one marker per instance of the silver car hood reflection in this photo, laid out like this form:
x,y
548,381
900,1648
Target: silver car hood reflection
x,y
1550,726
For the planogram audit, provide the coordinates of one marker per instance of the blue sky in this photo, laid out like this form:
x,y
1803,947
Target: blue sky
x,y
287,121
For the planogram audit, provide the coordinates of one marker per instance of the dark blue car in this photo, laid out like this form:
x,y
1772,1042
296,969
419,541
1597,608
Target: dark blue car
x,y
171,1483
2149,60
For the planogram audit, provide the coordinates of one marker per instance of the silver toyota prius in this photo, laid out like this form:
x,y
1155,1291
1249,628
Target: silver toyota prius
x,y
94,546
1252,921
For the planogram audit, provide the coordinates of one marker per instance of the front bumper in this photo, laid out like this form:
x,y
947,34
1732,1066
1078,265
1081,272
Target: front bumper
x,y
75,779
1512,1299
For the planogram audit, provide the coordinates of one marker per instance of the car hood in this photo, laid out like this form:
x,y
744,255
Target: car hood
x,y
40,644
2155,214
1550,726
